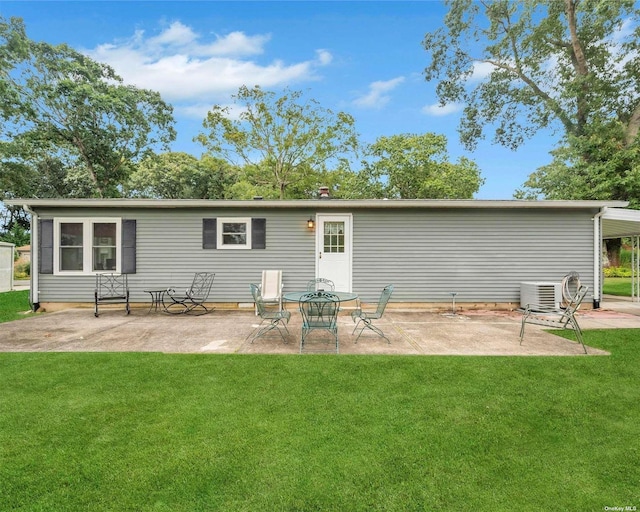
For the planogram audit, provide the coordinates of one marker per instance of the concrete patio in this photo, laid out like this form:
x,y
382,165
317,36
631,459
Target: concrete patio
x,y
492,333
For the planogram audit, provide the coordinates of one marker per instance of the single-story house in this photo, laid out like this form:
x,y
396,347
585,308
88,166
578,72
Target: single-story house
x,y
481,250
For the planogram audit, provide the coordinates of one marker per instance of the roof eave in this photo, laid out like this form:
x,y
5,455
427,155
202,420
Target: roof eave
x,y
311,203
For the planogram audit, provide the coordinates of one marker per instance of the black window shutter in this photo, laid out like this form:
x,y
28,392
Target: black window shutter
x,y
45,252
258,233
128,246
209,234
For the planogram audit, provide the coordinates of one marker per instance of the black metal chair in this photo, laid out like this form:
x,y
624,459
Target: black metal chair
x,y
113,289
276,318
319,312
366,317
193,299
554,317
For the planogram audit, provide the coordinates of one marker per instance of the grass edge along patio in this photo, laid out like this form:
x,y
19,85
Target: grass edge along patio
x,y
149,431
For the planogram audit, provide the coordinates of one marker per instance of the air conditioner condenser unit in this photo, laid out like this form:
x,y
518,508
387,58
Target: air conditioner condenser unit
x,y
546,294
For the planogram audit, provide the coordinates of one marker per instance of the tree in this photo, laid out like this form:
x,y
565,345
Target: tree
x,y
77,111
255,180
612,171
573,65
17,234
409,166
181,176
551,64
284,136
360,184
13,49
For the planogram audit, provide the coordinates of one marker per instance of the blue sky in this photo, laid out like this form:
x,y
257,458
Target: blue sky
x,y
364,58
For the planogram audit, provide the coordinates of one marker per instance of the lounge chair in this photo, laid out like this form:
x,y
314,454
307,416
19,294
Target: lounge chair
x,y
556,317
194,297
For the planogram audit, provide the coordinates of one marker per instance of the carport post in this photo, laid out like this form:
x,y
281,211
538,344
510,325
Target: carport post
x,y
635,268
597,256
33,288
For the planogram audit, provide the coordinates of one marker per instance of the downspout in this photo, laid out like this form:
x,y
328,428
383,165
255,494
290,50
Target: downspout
x,y
597,256
635,268
35,258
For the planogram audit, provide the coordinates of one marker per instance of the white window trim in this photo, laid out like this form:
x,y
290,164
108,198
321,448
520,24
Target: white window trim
x,y
220,240
87,245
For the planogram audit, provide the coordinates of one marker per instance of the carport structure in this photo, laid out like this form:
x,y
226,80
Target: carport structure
x,y
617,223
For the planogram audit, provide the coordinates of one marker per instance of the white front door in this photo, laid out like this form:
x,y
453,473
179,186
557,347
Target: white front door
x,y
333,249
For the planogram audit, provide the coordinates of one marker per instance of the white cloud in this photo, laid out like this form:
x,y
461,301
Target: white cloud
x,y
625,30
194,110
236,44
324,57
176,34
189,71
623,34
377,96
481,70
200,110
438,110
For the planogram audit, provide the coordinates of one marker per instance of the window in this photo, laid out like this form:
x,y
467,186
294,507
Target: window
x,y
104,246
71,234
234,233
334,236
86,246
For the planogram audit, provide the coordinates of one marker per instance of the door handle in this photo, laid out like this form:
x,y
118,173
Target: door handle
x,y
320,255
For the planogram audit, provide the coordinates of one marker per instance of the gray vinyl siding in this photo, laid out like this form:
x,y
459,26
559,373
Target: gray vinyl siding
x,y
171,260
482,254
169,250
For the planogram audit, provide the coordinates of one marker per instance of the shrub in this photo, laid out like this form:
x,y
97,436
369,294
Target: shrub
x,y
617,272
22,270
625,257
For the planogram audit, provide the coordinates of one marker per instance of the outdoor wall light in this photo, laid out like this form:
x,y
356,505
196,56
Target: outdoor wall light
x,y
311,223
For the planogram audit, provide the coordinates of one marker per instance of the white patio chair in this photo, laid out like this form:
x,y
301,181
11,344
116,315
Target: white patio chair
x,y
271,287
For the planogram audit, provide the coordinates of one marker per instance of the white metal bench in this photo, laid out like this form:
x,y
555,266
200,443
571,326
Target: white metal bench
x,y
554,317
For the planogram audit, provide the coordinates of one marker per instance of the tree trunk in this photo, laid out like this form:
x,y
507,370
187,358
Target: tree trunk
x,y
613,251
580,65
632,127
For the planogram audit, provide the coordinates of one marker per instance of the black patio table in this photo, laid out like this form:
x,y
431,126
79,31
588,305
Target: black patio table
x,y
156,299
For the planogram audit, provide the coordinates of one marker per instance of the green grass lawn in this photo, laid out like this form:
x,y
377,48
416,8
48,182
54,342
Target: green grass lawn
x,y
154,432
620,286
13,305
